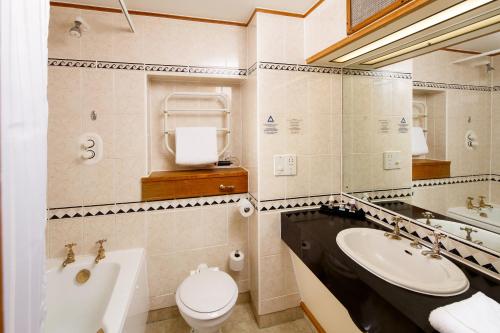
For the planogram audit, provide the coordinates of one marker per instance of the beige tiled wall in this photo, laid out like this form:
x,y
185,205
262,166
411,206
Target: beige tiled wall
x,y
370,102
312,101
156,40
495,122
460,105
176,241
435,122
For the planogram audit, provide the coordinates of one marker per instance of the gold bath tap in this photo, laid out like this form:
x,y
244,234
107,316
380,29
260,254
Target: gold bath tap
x,y
100,252
70,256
482,203
468,232
470,205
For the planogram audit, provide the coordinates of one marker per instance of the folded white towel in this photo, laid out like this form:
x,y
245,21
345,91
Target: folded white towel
x,y
196,145
477,314
418,142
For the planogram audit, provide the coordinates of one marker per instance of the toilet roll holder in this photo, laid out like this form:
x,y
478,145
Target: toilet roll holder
x,y
170,111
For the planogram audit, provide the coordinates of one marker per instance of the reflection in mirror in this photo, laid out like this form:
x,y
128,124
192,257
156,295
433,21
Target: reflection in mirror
x,y
422,138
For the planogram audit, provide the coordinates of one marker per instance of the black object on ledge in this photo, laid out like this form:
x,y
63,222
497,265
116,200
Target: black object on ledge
x,y
358,214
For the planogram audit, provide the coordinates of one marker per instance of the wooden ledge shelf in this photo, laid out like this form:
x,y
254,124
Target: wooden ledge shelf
x,y
430,169
164,185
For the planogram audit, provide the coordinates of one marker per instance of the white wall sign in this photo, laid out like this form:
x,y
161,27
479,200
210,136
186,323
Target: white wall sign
x,y
270,126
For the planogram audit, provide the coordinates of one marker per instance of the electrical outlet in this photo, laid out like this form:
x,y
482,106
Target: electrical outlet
x,y
285,165
392,160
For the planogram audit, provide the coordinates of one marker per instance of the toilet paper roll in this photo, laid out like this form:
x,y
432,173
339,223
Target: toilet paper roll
x,y
236,260
245,207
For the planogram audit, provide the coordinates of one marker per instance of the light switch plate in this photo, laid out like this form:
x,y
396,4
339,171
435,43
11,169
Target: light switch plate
x,y
285,165
392,160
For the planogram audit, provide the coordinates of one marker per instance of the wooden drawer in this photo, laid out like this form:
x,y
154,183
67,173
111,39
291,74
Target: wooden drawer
x,y
164,185
430,169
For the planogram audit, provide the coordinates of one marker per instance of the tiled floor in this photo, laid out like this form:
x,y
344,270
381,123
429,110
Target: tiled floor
x,y
241,321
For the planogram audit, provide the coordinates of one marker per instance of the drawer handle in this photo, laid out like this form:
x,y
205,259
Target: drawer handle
x,y
226,188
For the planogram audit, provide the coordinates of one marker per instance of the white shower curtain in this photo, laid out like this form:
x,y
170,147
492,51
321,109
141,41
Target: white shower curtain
x,y
23,126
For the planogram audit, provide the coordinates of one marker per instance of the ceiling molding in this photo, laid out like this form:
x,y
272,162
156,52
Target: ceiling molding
x,y
190,18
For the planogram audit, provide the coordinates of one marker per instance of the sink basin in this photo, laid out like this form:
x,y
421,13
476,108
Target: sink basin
x,y
398,263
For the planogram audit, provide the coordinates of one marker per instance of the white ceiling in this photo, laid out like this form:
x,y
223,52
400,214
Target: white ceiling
x,y
482,44
227,10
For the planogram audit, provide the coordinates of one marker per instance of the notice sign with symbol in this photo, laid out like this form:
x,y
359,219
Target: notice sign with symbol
x,y
270,126
403,126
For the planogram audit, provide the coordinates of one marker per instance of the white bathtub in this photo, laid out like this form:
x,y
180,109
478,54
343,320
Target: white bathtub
x,y
114,299
470,216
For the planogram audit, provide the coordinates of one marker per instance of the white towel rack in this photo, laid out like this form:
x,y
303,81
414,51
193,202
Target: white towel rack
x,y
170,111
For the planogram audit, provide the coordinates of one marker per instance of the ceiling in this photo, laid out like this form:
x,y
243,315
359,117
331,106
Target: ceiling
x,y
482,44
227,10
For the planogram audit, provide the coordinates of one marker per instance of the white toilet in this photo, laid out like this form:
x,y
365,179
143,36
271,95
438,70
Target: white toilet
x,y
206,299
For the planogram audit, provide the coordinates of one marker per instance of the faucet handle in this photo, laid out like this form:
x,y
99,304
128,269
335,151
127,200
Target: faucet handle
x,y
428,215
438,236
100,242
70,246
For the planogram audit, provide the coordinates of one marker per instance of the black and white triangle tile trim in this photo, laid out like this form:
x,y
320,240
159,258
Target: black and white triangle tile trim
x,y
453,180
496,88
139,207
319,69
277,66
294,203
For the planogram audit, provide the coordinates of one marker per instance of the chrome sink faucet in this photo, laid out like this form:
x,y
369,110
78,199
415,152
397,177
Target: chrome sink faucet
x,y
435,252
396,233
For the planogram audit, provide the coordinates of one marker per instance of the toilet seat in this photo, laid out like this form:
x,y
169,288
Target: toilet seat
x,y
207,295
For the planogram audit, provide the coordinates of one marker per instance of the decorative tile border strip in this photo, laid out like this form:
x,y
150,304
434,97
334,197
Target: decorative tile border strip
x,y
166,68
227,71
369,73
294,203
386,194
486,262
252,69
278,66
454,180
439,85
319,69
137,207
72,63
496,88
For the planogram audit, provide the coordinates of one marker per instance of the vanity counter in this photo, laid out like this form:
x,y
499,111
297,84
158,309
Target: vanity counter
x,y
374,305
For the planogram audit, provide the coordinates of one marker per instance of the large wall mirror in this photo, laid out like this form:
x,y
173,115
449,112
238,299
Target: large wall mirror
x,y
422,138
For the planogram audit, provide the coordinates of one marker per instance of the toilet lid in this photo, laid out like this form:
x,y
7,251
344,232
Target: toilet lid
x,y
207,291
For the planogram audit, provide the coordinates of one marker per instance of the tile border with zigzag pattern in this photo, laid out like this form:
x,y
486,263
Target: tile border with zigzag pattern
x,y
137,207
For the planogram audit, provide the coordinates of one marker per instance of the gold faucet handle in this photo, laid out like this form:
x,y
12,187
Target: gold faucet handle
x,y
470,198
438,236
100,242
70,246
428,215
468,229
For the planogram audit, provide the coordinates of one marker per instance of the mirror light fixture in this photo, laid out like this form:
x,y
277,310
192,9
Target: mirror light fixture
x,y
438,39
440,17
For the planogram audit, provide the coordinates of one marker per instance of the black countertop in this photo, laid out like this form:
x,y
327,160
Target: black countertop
x,y
373,304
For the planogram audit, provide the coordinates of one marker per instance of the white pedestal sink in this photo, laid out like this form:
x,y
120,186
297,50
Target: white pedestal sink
x,y
398,263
